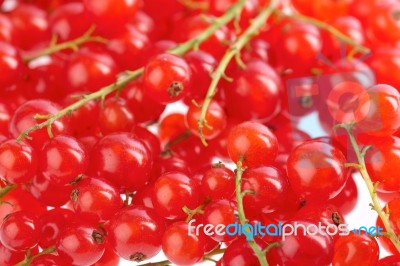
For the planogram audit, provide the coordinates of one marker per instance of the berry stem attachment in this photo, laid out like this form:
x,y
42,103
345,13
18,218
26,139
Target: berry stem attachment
x,y
383,214
131,75
256,25
127,76
73,44
27,261
242,217
329,28
217,23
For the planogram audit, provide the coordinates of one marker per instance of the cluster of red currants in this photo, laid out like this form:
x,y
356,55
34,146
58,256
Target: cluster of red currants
x,y
93,170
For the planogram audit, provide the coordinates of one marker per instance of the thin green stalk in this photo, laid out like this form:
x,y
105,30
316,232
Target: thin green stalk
x,y
360,166
242,217
73,45
327,27
256,25
27,261
181,49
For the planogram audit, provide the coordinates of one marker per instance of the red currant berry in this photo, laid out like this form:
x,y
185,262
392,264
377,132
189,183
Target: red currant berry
x,y
166,78
379,110
110,15
90,70
134,233
10,64
304,249
316,171
252,142
355,249
267,187
172,192
51,224
18,162
62,159
255,93
122,159
382,160
115,116
24,118
19,231
96,199
181,246
217,213
81,244
215,117
218,183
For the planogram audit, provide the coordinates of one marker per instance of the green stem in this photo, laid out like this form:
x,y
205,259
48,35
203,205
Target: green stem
x,y
5,190
371,185
181,49
233,50
327,27
27,261
87,98
242,217
73,45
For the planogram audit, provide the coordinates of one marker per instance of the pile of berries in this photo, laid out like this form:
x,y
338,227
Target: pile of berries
x,y
98,164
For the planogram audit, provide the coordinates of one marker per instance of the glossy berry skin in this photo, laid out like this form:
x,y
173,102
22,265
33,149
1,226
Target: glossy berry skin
x,y
180,247
51,224
10,257
379,110
393,260
109,258
62,159
48,260
122,159
329,9
316,171
49,192
134,233
302,249
115,116
382,160
386,65
346,200
201,64
173,191
384,23
89,70
30,25
110,14
215,117
143,107
355,249
253,142
218,183
19,231
69,21
220,212
19,200
239,252
96,199
166,78
10,64
81,244
269,187
23,118
18,161
129,47
255,93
